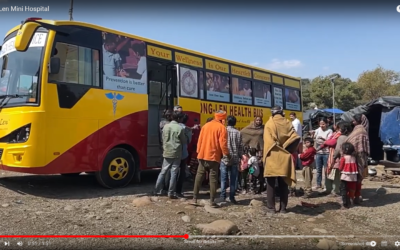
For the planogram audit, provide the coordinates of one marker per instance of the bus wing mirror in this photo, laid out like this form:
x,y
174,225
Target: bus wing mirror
x,y
55,65
24,35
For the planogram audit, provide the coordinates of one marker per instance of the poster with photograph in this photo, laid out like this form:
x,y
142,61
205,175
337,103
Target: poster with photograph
x,y
217,87
241,91
201,83
262,94
278,97
188,82
292,98
124,64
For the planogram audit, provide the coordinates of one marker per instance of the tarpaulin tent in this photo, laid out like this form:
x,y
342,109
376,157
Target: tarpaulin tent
x,y
335,111
373,111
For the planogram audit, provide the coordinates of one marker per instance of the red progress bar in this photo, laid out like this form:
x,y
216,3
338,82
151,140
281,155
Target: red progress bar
x,y
185,236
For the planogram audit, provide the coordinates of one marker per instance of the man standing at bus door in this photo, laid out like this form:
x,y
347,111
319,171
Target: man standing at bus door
x,y
179,109
173,138
183,118
211,147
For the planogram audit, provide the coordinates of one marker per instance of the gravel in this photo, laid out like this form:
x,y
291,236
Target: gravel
x,y
56,205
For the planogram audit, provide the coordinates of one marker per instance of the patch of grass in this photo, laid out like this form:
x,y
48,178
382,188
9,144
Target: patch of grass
x,y
254,242
314,240
194,231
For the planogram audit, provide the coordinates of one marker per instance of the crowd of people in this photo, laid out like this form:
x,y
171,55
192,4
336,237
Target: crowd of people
x,y
263,158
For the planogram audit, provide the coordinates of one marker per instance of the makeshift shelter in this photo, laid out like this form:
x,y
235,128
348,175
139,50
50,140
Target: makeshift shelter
x,y
334,111
374,111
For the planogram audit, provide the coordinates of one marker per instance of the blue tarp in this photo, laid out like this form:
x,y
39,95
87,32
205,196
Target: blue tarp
x,y
336,111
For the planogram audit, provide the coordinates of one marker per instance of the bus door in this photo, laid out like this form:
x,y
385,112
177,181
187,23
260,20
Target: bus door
x,y
162,89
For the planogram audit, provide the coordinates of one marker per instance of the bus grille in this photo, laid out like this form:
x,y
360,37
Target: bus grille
x,y
1,153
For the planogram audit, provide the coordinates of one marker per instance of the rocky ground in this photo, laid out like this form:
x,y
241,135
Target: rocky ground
x,y
56,205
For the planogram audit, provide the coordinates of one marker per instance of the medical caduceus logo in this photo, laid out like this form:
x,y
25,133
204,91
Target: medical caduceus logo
x,y
114,97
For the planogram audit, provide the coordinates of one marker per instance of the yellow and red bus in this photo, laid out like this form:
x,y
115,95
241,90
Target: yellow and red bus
x,y
76,97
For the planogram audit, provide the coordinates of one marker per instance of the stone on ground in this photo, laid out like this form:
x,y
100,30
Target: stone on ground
x,y
186,218
256,203
327,244
141,201
219,227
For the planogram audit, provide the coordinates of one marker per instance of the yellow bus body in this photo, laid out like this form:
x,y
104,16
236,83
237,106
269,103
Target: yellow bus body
x,y
80,138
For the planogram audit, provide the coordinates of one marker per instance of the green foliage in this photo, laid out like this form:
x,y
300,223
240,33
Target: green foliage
x,y
306,94
378,82
371,84
346,92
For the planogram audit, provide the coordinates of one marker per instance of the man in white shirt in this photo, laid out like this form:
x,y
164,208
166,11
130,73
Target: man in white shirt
x,y
112,61
299,130
296,124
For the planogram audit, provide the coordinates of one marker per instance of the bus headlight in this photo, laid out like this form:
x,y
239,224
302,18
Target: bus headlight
x,y
20,135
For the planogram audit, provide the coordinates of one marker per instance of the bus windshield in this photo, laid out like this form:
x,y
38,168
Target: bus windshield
x,y
20,70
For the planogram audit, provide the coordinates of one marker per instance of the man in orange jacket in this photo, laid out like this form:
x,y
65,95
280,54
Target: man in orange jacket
x,y
212,145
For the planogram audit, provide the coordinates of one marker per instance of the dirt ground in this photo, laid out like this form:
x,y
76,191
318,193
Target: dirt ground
x,y
57,205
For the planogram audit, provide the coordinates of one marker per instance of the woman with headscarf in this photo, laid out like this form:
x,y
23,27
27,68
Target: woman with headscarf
x,y
360,140
365,122
252,137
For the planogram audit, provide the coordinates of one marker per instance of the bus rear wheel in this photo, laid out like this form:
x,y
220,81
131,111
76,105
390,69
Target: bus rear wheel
x,y
118,169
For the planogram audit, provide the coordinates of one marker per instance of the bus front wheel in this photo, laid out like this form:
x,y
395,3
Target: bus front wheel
x,y
118,169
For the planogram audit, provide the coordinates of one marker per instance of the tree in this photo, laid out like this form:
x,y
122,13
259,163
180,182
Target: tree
x,y
305,88
377,83
346,92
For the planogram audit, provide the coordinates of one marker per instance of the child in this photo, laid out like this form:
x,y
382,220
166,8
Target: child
x,y
254,170
307,159
349,171
244,171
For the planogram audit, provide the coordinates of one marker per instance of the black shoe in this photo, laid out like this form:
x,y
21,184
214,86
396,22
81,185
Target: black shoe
x,y
233,201
180,195
173,197
283,211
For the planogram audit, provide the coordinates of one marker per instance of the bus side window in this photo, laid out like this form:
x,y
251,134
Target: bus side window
x,y
79,65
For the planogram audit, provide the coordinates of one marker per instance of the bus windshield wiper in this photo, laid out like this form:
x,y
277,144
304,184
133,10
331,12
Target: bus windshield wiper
x,y
6,98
